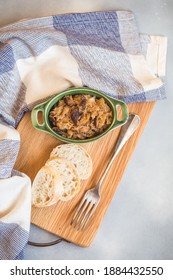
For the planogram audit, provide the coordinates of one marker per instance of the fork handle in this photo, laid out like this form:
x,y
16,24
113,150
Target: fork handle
x,y
126,131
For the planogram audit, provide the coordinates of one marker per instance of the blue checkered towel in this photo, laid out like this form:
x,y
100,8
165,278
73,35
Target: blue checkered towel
x,y
43,56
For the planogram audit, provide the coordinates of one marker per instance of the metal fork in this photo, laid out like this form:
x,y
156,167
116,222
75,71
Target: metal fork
x,y
92,197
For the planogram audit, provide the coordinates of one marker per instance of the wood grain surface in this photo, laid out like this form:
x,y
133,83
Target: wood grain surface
x,y
34,152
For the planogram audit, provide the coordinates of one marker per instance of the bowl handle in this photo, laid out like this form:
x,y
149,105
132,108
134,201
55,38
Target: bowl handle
x,y
124,109
34,117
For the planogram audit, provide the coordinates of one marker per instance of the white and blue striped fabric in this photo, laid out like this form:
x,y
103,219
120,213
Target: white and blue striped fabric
x,y
43,56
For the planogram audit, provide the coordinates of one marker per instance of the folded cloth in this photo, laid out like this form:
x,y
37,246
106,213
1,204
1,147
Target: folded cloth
x,y
41,57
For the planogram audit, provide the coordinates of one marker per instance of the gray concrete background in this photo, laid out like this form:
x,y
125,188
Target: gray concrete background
x,y
139,221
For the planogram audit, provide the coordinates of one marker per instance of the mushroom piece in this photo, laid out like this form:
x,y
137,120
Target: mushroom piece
x,y
76,115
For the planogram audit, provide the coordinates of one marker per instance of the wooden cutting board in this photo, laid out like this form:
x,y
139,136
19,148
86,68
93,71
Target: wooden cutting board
x,y
34,152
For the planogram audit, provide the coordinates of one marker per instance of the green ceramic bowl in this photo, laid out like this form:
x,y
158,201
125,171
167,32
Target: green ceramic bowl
x,y
47,106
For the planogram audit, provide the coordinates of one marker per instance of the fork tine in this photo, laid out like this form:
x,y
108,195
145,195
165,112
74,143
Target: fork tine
x,y
86,214
82,212
90,214
80,209
80,222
